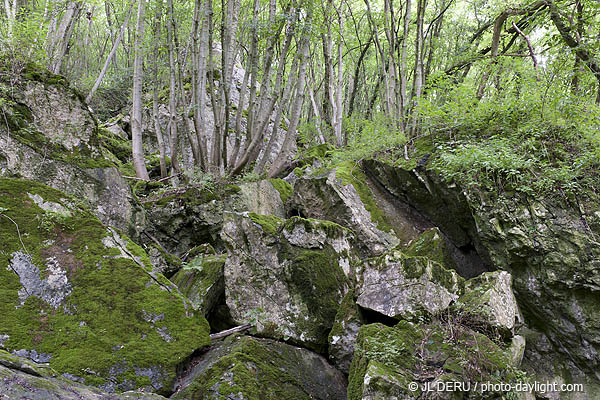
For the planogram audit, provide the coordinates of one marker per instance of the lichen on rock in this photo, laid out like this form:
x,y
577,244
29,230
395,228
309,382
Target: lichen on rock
x,y
74,295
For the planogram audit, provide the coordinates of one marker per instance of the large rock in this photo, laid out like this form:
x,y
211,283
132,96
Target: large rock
x,y
202,281
84,298
50,136
341,195
550,248
291,273
246,368
24,379
403,286
489,301
187,217
342,337
394,363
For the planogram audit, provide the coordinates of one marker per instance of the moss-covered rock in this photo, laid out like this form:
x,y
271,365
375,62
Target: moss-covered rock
x,y
490,302
24,379
342,337
202,281
184,218
292,274
84,298
403,286
342,195
548,244
52,138
247,368
388,359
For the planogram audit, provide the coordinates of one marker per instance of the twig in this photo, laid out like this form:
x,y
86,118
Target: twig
x,y
230,331
18,232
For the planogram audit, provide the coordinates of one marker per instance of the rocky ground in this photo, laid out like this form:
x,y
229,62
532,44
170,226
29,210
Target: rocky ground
x,y
354,282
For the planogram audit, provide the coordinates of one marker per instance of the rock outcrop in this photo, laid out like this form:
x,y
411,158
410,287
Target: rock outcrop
x,y
24,379
50,137
550,247
82,297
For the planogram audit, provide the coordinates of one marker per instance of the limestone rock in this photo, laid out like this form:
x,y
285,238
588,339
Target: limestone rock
x,y
344,333
490,301
51,137
549,247
83,297
291,273
388,359
202,281
184,218
347,202
23,379
246,368
402,286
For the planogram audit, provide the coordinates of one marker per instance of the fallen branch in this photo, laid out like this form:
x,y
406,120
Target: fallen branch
x,y
228,332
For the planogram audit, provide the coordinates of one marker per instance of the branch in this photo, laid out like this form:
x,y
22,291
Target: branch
x,y
231,331
529,46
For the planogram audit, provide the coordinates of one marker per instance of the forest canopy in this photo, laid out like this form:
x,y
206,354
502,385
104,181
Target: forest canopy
x,y
506,92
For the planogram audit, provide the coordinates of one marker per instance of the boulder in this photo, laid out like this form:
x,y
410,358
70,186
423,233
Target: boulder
x,y
51,137
342,337
24,379
187,217
404,287
489,301
290,274
202,281
395,363
341,195
247,368
84,298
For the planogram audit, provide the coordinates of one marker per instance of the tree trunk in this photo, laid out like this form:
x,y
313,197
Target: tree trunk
x,y
136,110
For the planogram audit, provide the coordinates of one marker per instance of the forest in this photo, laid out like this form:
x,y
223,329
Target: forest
x,y
520,79
299,200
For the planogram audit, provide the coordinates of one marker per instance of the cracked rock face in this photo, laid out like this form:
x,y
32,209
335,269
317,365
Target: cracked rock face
x,y
287,275
401,286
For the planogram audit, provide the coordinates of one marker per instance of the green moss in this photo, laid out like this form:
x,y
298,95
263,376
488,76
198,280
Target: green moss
x,y
408,352
351,174
193,195
252,369
284,188
115,144
347,311
201,280
316,276
331,229
431,244
269,223
100,325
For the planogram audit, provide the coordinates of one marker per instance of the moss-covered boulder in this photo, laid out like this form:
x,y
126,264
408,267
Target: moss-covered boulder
x,y
24,379
342,195
397,362
490,302
342,337
51,137
83,297
247,368
202,281
289,276
402,286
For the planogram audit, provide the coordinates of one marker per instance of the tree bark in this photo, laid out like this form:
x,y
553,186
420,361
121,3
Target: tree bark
x,y
136,110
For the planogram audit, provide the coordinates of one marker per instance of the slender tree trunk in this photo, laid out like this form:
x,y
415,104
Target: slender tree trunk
x,y
156,76
59,43
136,111
283,159
113,51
